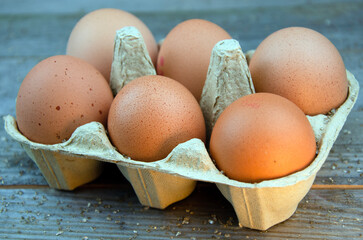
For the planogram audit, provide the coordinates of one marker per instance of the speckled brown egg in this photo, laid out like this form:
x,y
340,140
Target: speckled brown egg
x,y
185,53
92,38
260,137
303,66
58,95
151,115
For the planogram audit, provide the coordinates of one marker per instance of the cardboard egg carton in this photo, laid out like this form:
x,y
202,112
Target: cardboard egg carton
x,y
158,184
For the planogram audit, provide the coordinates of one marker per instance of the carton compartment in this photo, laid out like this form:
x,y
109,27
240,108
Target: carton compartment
x,y
61,171
156,189
261,208
161,183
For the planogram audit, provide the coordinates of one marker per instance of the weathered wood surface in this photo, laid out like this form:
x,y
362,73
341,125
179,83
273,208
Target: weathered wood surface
x,y
42,213
33,30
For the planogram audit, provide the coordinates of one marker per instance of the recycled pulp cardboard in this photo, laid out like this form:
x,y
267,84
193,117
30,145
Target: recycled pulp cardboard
x,y
160,183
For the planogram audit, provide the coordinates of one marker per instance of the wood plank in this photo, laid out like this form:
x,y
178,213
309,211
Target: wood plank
x,y
343,165
248,25
116,213
38,6
23,45
16,168
340,186
108,208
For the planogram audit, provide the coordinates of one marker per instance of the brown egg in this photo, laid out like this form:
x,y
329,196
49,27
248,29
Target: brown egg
x,y
186,50
92,39
58,95
151,115
262,136
303,66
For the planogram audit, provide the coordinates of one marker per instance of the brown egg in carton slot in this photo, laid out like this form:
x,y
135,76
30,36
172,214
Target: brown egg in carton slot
x,y
158,184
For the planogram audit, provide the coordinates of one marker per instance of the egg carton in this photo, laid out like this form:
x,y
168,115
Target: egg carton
x,y
158,184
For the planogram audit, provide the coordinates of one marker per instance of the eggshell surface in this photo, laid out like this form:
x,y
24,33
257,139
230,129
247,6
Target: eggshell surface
x,y
92,38
262,136
302,65
58,95
151,115
186,50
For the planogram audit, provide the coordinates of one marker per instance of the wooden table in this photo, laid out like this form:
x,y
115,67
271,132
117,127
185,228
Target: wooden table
x,y
108,208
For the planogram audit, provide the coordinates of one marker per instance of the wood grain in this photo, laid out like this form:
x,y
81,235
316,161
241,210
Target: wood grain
x,y
114,213
23,46
108,208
